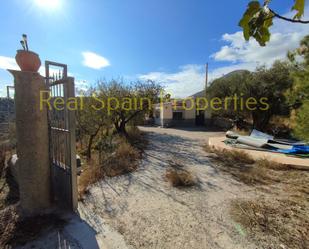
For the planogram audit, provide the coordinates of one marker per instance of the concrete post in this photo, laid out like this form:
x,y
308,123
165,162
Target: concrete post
x,y
32,143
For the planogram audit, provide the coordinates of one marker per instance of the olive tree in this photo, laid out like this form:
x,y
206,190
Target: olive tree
x,y
127,102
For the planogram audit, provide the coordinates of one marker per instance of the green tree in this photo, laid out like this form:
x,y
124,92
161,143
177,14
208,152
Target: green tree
x,y
266,83
128,102
299,94
258,18
90,120
227,86
301,129
272,84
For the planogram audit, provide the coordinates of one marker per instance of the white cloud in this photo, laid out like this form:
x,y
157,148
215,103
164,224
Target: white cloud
x,y
94,60
190,79
8,63
285,36
238,53
187,81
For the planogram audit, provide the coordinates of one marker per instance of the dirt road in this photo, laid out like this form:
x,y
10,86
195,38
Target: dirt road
x,y
145,211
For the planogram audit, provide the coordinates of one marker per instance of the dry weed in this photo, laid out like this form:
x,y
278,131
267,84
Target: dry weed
x,y
275,223
241,166
124,160
15,230
90,175
264,163
178,176
230,156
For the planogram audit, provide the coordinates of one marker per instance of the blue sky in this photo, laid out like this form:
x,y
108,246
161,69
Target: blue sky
x,y
165,40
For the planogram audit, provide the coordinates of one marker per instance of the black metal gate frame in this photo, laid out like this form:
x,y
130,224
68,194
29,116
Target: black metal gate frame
x,y
62,143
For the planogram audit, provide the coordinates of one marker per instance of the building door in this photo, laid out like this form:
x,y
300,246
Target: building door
x,y
200,118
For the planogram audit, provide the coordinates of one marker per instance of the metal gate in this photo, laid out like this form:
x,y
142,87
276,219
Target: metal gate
x,y
62,143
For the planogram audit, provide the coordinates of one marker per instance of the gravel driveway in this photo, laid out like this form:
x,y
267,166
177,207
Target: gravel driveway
x,y
149,213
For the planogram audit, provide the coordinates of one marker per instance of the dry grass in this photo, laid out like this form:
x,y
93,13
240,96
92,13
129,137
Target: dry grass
x,y
279,219
122,161
134,133
17,231
90,175
244,168
9,193
264,163
178,176
136,138
282,223
230,156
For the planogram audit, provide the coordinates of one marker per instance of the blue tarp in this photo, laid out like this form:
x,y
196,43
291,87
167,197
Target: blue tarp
x,y
296,149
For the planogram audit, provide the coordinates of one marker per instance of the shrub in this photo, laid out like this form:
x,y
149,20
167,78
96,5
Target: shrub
x,y
122,161
178,176
90,175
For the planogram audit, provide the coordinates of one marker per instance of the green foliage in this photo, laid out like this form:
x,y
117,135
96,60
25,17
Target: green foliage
x,y
267,83
299,6
226,86
258,18
299,94
256,23
302,122
130,102
90,120
272,84
113,103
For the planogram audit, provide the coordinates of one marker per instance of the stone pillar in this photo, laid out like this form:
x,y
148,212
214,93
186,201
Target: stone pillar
x,y
32,143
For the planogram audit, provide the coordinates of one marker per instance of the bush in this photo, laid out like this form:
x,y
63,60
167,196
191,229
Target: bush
x,y
302,122
122,161
178,176
90,175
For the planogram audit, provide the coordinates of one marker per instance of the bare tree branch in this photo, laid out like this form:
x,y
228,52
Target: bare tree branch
x,y
288,19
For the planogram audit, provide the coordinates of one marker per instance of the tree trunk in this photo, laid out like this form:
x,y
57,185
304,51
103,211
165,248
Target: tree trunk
x,y
121,128
89,146
261,119
91,138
